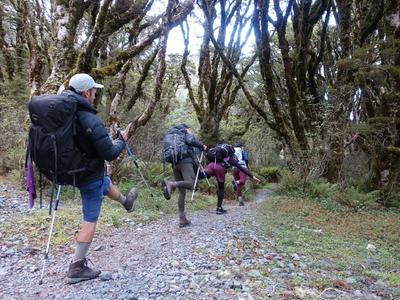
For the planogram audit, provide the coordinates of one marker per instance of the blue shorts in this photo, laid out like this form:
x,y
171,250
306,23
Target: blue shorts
x,y
92,196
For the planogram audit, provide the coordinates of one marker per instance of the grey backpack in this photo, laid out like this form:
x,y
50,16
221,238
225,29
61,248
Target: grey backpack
x,y
175,147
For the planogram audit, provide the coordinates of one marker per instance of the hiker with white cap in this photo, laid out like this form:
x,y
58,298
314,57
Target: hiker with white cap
x,y
94,142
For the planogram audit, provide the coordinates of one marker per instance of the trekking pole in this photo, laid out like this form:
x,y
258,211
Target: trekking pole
x,y
134,158
46,255
202,169
130,153
197,177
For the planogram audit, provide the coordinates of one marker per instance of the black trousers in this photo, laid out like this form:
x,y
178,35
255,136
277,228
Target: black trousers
x,y
184,176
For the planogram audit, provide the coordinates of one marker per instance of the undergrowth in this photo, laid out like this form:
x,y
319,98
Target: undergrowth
x,y
341,238
331,196
334,224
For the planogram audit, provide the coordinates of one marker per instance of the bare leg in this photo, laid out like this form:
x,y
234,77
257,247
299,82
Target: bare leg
x,y
127,201
84,239
114,193
86,233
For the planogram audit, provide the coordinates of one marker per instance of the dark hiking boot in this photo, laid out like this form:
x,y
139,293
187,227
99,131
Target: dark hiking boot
x,y
241,201
79,271
220,211
167,188
234,185
130,200
183,222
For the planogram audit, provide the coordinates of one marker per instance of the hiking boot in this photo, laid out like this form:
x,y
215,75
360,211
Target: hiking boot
x,y
183,222
234,185
241,201
79,271
220,211
167,188
130,200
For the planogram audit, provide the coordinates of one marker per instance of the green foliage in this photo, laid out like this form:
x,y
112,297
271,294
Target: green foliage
x,y
11,157
13,117
15,92
157,171
378,123
390,196
153,172
319,190
270,174
351,197
290,184
263,147
331,196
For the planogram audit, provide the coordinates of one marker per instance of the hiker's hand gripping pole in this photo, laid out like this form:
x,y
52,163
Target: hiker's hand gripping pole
x,y
134,159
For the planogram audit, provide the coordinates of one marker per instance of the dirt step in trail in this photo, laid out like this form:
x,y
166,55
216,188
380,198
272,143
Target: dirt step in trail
x,y
217,257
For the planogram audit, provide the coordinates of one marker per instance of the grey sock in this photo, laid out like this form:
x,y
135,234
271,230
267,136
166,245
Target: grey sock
x,y
121,198
182,214
81,250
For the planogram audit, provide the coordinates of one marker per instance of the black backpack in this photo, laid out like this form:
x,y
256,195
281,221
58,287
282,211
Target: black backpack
x,y
52,138
219,152
175,147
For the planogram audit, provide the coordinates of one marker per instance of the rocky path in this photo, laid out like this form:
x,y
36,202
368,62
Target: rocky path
x,y
217,257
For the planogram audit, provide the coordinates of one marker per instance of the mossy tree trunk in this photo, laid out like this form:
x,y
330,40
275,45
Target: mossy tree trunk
x,y
217,89
9,66
388,160
293,99
348,91
67,16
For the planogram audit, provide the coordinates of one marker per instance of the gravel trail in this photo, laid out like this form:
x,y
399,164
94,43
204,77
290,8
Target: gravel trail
x,y
217,257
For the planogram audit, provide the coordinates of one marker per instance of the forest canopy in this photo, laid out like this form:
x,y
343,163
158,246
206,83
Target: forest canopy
x,y
318,91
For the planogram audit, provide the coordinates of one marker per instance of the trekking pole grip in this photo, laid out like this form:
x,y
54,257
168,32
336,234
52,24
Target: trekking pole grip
x,y
119,135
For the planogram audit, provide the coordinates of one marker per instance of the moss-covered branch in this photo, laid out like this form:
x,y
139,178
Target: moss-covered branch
x,y
393,150
198,107
139,86
85,58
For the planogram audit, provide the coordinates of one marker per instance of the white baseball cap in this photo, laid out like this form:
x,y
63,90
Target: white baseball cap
x,y
82,82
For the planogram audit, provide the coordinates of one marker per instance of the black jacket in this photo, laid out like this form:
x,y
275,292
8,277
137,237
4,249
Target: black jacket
x,y
93,140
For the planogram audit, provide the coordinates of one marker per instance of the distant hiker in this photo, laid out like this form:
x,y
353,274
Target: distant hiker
x,y
78,150
238,175
220,158
245,156
178,149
